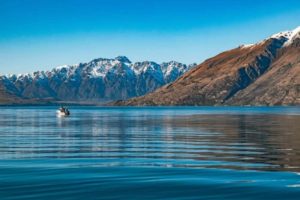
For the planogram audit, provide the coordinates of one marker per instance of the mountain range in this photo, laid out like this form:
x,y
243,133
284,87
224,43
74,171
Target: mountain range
x,y
100,80
265,73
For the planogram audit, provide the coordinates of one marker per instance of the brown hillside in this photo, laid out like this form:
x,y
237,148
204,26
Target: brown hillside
x,y
219,79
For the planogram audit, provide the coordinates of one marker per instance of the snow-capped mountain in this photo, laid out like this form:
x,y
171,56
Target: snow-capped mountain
x,y
265,73
100,79
286,37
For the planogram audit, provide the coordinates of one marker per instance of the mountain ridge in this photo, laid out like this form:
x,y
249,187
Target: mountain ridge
x,y
101,79
246,75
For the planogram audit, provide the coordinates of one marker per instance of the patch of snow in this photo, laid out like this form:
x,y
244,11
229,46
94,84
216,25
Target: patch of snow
x,y
285,34
293,35
290,36
244,46
98,72
62,67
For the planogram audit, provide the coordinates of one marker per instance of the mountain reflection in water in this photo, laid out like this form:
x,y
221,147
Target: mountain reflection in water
x,y
150,153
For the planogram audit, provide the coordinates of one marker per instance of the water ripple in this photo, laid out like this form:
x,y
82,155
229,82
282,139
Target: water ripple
x,y
150,153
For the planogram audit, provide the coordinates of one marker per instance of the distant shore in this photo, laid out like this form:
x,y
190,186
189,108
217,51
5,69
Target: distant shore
x,y
115,104
50,103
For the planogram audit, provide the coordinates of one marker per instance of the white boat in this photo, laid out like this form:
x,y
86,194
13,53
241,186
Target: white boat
x,y
63,112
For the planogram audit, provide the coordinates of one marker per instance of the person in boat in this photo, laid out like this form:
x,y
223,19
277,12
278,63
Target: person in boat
x,y
67,112
64,110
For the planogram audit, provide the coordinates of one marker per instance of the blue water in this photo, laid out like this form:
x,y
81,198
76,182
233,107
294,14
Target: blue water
x,y
150,153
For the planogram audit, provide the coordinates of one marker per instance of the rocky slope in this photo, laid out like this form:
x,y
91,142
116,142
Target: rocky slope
x,y
98,80
5,96
266,73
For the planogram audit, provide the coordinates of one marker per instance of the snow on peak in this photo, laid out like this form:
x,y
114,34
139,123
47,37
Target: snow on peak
x,y
167,68
142,67
289,36
62,67
285,34
293,35
172,70
103,68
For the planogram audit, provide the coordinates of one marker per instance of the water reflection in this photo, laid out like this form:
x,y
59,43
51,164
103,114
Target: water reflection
x,y
157,137
268,139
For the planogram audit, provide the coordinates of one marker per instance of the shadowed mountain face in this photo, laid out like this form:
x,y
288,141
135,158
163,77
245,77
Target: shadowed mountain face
x,y
266,73
280,86
97,81
4,96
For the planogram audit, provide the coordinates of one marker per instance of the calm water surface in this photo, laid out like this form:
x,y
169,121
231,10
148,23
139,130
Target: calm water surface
x,y
150,153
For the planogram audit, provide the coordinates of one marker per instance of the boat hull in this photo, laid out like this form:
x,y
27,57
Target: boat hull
x,y
62,114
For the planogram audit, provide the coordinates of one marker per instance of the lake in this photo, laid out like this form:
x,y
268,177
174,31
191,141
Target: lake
x,y
150,153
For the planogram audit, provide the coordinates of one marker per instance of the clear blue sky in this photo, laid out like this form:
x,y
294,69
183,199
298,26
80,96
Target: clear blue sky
x,y
41,34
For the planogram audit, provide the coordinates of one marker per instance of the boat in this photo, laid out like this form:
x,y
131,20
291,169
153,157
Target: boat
x,y
62,111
